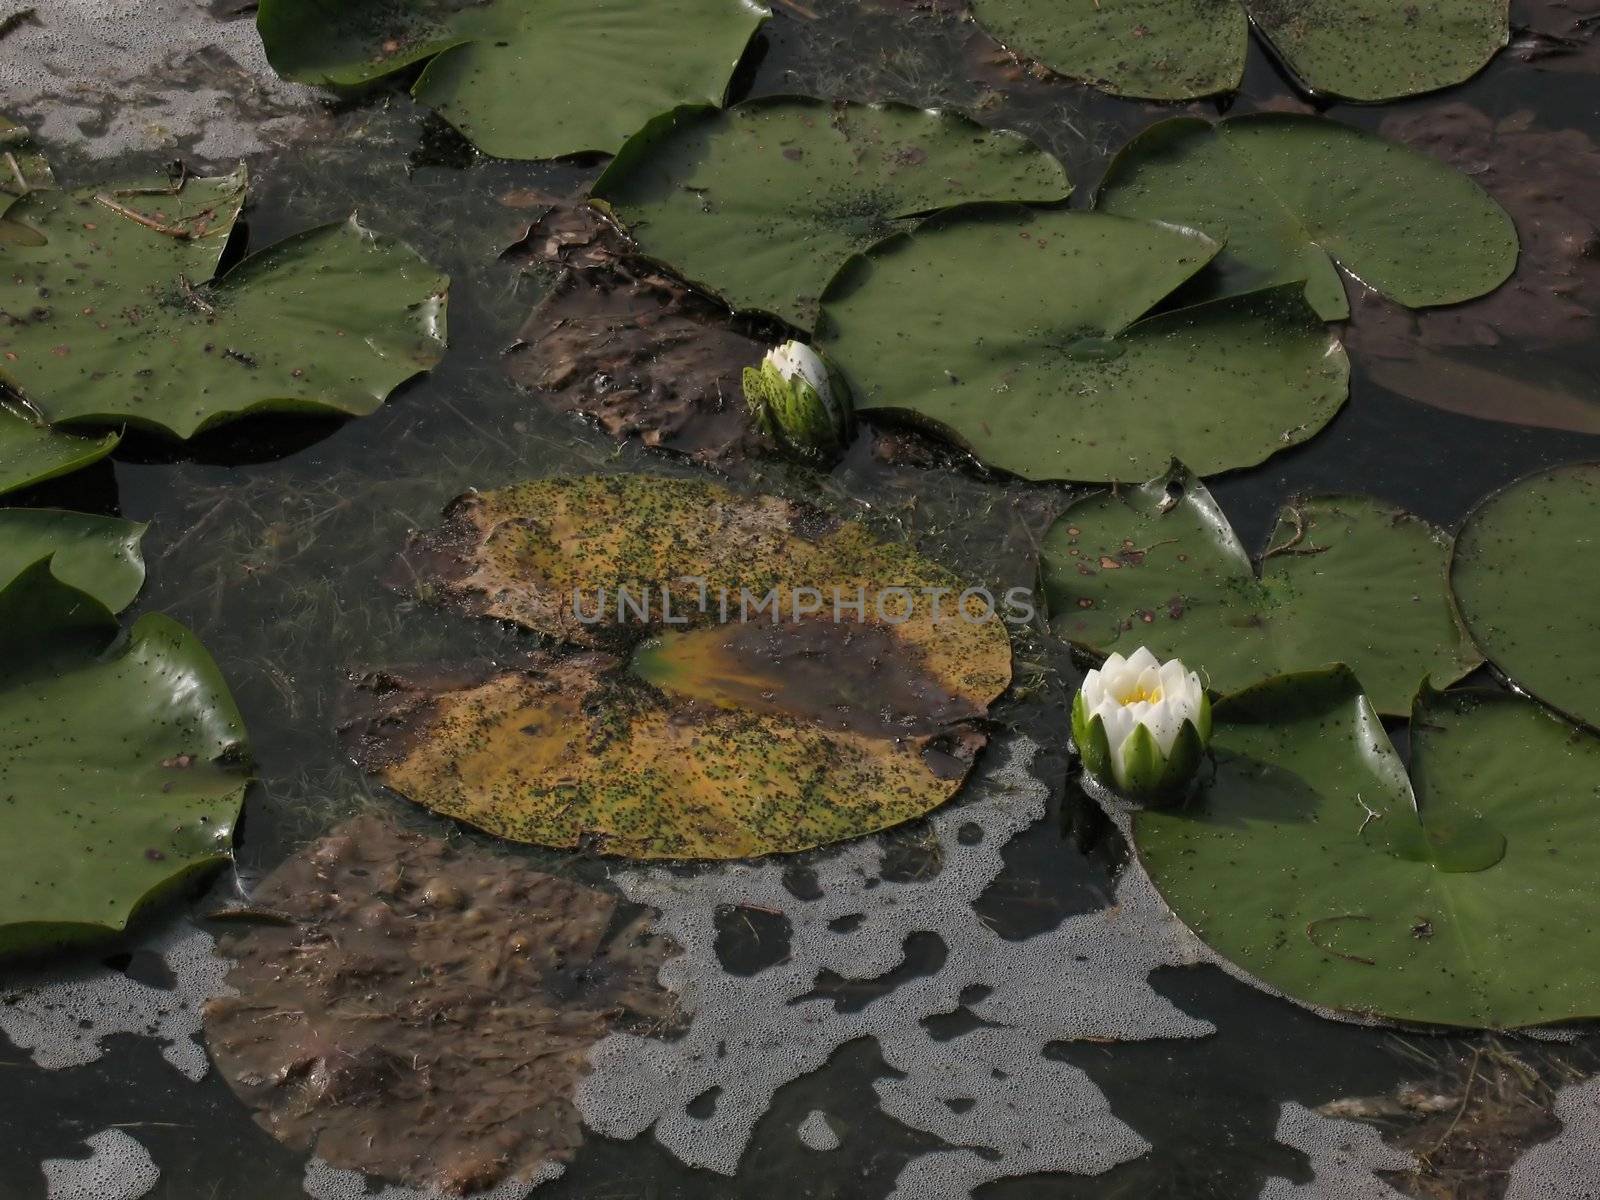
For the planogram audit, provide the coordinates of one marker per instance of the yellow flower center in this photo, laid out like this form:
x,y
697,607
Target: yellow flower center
x,y
1152,695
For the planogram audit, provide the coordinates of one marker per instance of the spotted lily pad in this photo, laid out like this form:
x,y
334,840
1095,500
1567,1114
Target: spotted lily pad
x,y
1289,195
31,452
1021,337
737,710
1523,578
526,971
1463,896
1183,49
115,315
761,204
121,764
1343,579
522,80
97,555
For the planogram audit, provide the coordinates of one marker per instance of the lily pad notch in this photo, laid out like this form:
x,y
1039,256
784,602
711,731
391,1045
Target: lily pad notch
x,y
522,80
1461,895
1029,339
1366,50
140,330
1342,578
761,204
122,757
1290,196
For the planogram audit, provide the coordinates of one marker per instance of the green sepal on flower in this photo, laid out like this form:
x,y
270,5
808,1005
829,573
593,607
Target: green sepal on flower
x,y
800,400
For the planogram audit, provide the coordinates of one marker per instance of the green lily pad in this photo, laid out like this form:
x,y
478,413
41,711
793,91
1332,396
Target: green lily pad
x,y
761,204
772,679
31,452
117,317
1021,338
1290,195
1523,578
97,555
1310,862
522,80
120,765
1343,579
1183,49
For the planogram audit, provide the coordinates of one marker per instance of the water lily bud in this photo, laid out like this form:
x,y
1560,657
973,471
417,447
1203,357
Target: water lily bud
x,y
798,398
1142,725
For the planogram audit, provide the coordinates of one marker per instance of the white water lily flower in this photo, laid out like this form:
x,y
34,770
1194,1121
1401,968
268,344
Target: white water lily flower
x,y
1142,724
799,399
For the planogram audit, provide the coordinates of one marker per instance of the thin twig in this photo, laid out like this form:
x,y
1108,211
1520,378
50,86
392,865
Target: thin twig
x,y
122,210
1311,936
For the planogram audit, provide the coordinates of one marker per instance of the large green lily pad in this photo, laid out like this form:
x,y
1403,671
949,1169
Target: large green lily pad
x,y
1310,862
31,452
97,555
121,766
1342,579
522,79
1523,576
1183,49
115,316
762,719
761,204
1021,337
1290,195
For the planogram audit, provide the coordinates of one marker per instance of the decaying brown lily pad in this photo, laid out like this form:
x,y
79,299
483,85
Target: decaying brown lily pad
x,y
423,1012
631,348
1455,357
771,679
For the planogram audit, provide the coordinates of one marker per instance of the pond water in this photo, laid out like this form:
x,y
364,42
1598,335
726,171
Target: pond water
x,y
273,539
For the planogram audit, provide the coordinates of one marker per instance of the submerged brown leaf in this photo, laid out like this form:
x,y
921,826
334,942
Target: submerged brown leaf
x,y
425,1016
627,346
1549,181
776,679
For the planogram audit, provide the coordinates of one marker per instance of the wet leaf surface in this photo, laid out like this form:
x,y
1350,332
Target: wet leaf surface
x,y
1289,196
114,316
1185,49
1342,579
594,71
96,555
761,204
31,452
1310,862
1484,357
755,720
424,1016
123,766
1523,578
1021,338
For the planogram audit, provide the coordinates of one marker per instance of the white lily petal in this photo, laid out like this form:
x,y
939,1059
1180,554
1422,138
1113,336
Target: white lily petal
x,y
1140,690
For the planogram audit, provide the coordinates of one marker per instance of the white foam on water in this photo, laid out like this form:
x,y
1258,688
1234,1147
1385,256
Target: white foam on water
x,y
1568,1165
751,1035
109,76
326,1182
1344,1157
119,1169
61,1016
816,1132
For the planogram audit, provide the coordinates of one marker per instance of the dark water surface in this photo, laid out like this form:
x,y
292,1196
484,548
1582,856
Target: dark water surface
x,y
272,538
